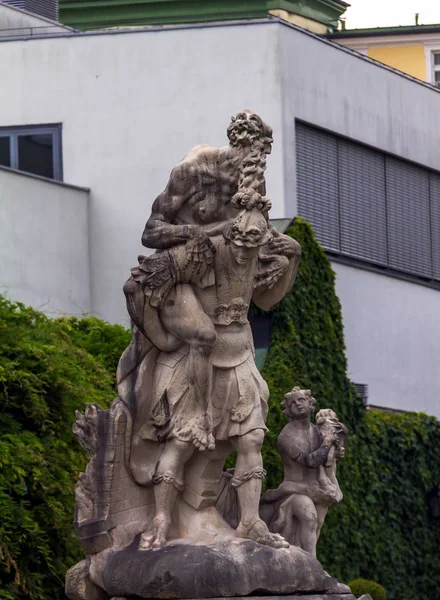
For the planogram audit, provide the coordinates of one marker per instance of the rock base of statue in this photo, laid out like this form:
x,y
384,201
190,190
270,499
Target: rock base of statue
x,y
182,570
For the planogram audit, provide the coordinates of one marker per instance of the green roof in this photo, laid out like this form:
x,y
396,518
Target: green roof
x,y
92,14
382,31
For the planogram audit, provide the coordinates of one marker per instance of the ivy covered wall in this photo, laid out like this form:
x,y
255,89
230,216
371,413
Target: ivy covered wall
x,y
49,368
382,529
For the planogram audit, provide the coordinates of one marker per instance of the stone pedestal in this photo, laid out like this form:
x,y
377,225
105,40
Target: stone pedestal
x,y
223,569
294,597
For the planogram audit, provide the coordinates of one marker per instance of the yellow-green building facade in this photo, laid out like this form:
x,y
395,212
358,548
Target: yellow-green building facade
x,y
415,50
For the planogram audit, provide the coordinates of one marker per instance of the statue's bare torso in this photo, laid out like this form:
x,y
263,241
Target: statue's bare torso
x,y
197,196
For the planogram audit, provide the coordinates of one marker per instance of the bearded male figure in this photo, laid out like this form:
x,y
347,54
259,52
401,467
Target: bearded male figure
x,y
151,510
190,372
192,213
239,395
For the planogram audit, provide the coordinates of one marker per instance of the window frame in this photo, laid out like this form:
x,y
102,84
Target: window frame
x,y
55,130
435,68
386,268
430,51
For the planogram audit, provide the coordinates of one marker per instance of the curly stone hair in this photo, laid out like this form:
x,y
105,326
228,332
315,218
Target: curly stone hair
x,y
247,129
285,403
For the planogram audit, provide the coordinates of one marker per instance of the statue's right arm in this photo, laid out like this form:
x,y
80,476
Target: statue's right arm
x,y
312,460
161,231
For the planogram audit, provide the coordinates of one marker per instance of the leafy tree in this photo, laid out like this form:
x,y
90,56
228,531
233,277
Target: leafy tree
x,y
48,369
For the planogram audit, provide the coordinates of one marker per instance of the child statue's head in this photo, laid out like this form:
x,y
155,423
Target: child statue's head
x,y
298,404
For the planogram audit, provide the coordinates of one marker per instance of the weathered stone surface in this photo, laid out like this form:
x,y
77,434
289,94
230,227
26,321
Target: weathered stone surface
x,y
292,597
237,568
289,597
79,586
189,393
297,509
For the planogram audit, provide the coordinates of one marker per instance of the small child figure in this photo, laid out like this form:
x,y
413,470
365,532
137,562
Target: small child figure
x,y
327,422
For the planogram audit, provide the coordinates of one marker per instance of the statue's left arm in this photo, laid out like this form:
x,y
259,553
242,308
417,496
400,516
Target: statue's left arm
x,y
279,260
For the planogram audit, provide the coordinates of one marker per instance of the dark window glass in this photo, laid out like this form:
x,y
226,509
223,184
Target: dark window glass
x,y
317,183
362,202
35,154
409,235
367,204
434,180
5,151
437,59
437,76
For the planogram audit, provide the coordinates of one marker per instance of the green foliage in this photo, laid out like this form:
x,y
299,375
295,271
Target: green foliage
x,y
307,346
381,530
49,368
47,371
366,586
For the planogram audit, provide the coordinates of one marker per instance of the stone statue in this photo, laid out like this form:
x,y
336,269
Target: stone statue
x,y
216,252
189,395
297,509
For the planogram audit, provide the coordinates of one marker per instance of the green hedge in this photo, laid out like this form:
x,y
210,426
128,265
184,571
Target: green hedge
x,y
382,529
307,346
47,371
359,587
49,368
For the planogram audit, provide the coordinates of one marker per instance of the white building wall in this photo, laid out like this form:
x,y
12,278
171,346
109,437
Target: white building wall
x,y
131,105
392,332
392,327
44,258
355,97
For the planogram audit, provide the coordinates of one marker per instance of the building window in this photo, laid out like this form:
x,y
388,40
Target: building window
x,y
33,149
368,205
436,68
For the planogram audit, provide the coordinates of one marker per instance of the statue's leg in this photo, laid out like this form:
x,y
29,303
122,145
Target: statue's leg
x,y
248,477
303,508
184,317
168,482
321,511
283,523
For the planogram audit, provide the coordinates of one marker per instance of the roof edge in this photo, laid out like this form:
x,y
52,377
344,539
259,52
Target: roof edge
x,y
52,22
45,179
383,31
271,20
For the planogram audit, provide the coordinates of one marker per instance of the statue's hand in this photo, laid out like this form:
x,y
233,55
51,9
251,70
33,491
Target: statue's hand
x,y
85,428
330,494
271,271
199,252
282,245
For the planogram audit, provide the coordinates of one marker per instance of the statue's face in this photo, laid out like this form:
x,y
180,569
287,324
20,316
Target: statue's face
x,y
249,229
339,452
298,405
